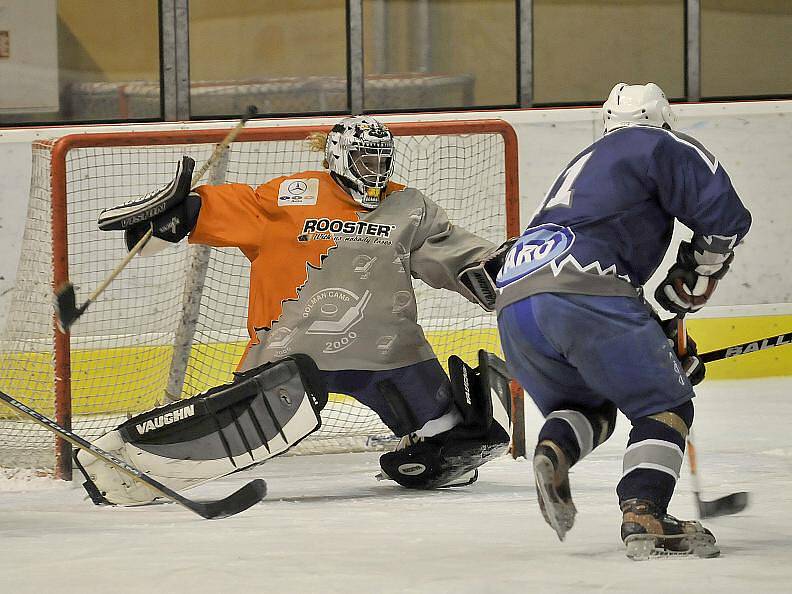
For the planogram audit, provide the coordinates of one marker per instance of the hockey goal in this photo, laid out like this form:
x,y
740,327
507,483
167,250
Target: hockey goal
x,y
173,325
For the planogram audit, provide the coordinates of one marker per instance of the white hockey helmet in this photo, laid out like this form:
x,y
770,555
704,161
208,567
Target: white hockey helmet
x,y
637,104
359,155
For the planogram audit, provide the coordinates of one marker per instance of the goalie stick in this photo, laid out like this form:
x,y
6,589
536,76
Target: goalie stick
x,y
238,501
722,506
66,309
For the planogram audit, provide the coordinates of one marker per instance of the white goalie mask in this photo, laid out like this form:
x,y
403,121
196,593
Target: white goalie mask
x,y
359,155
629,105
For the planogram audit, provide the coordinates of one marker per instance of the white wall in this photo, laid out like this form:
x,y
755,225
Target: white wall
x,y
14,170
752,141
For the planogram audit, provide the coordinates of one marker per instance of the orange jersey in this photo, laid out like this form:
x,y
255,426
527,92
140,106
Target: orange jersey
x,y
329,278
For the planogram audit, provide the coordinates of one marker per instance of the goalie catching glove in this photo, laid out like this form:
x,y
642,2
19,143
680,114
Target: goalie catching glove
x,y
479,278
170,211
263,413
691,281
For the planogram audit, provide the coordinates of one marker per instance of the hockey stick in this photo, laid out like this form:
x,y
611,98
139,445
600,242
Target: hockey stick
x,y
238,501
66,309
747,347
722,506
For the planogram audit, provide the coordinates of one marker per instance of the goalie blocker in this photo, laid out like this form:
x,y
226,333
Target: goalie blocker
x,y
483,398
479,278
263,413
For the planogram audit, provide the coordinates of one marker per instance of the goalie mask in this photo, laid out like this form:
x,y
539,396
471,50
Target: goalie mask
x,y
637,104
359,155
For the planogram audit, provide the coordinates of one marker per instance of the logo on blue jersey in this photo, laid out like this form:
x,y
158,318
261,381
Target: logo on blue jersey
x,y
536,248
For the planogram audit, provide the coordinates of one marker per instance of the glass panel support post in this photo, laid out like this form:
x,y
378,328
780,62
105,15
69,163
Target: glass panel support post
x,y
355,55
525,65
175,59
693,50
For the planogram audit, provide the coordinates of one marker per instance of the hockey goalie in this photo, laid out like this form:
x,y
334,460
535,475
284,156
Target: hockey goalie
x,y
319,324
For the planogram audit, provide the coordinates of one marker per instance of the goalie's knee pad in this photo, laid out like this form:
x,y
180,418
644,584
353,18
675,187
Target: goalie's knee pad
x,y
228,428
483,398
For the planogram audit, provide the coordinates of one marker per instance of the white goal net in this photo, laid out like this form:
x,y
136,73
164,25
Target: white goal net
x,y
175,322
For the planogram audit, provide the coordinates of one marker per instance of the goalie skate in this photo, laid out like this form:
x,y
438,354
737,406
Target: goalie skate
x,y
440,461
463,480
649,534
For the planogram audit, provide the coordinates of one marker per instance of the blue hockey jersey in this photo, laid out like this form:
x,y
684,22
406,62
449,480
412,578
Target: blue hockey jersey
x,y
607,221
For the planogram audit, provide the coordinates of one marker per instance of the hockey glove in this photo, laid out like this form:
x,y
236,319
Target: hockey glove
x,y
171,211
479,278
691,281
693,366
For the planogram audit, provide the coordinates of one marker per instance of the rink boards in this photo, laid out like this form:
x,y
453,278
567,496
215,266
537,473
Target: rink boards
x,y
142,372
99,373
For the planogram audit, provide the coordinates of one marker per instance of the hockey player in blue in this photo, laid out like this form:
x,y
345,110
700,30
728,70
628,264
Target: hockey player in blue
x,y
576,331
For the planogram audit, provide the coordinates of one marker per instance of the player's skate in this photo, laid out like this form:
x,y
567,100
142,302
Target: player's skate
x,y
551,472
649,533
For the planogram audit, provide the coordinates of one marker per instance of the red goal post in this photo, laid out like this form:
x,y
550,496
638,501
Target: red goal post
x,y
122,337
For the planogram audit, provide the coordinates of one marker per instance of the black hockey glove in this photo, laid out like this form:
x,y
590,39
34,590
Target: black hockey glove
x,y
693,366
479,278
691,281
171,211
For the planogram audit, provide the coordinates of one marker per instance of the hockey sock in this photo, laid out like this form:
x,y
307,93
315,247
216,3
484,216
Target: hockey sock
x,y
578,432
654,455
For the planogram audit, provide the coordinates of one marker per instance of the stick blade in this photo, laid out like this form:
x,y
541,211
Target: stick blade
x,y
238,501
250,112
723,506
66,310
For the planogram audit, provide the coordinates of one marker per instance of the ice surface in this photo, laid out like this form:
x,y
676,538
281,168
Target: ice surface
x,y
328,527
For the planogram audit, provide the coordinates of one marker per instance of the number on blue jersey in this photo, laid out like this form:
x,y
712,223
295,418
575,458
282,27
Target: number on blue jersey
x,y
563,195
